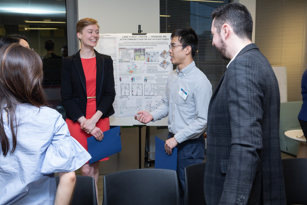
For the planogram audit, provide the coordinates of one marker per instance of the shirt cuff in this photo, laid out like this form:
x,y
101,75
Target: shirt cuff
x,y
180,137
154,117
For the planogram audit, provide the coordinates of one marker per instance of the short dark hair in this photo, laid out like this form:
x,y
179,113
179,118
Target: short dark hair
x,y
49,45
237,16
187,37
19,37
7,40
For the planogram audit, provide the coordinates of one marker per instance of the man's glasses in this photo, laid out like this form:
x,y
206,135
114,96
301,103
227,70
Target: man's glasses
x,y
171,46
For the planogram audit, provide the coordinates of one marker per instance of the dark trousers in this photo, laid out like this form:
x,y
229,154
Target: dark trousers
x,y
188,153
304,127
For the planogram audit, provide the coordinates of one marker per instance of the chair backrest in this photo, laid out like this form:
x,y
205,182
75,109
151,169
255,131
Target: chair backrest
x,y
62,111
288,120
295,175
85,191
194,184
289,112
141,186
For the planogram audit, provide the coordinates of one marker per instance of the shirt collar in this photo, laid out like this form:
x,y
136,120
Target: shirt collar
x,y
234,57
187,69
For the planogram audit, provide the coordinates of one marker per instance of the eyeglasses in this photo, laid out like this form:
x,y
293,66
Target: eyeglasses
x,y
171,46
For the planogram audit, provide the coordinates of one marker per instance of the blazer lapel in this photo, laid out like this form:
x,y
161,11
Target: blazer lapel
x,y
79,68
210,111
99,75
218,87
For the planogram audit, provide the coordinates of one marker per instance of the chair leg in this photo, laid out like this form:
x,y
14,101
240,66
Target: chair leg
x,y
302,150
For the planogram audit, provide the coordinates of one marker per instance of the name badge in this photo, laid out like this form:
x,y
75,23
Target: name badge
x,y
183,93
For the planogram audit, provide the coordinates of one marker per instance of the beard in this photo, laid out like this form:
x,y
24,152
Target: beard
x,y
222,50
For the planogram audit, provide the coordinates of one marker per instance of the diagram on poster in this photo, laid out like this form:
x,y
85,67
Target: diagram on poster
x,y
152,56
131,68
130,106
131,54
125,89
151,105
141,67
137,89
149,89
164,54
164,64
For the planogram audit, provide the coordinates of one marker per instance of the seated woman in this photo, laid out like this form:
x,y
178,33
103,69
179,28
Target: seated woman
x,y
34,139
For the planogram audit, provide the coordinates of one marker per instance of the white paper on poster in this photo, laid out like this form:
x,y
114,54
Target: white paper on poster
x,y
141,67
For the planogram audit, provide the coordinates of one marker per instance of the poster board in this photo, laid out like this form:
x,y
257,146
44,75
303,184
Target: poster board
x,y
281,75
141,67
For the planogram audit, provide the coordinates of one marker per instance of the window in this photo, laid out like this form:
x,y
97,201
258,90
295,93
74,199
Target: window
x,y
176,14
43,23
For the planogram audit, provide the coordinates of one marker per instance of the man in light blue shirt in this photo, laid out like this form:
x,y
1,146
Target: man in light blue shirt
x,y
185,102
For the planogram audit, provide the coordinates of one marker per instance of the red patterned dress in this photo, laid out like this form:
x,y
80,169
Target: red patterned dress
x,y
89,68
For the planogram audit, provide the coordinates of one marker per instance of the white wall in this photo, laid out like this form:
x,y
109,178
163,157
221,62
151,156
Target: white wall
x,y
122,16
282,38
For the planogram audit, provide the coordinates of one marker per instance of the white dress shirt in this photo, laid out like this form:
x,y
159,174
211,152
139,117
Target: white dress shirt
x,y
186,102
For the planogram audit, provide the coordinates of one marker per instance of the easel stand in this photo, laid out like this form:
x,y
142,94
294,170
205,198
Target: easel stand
x,y
140,144
139,31
146,157
140,126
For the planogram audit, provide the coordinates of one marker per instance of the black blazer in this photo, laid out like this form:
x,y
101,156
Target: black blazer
x,y
243,164
73,86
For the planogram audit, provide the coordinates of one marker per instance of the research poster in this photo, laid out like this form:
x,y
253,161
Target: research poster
x,y
141,67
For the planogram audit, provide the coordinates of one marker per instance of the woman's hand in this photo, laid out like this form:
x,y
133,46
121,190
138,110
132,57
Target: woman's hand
x,y
88,125
97,133
81,119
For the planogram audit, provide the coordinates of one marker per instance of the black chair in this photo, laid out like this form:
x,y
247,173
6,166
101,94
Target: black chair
x,y
62,111
295,175
141,186
85,191
194,184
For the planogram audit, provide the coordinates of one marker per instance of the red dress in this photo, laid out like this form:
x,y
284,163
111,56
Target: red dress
x,y
89,68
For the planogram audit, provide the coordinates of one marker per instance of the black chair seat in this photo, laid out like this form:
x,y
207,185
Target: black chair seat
x,y
295,175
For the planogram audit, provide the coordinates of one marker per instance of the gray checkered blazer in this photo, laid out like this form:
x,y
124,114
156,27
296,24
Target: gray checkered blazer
x,y
243,163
